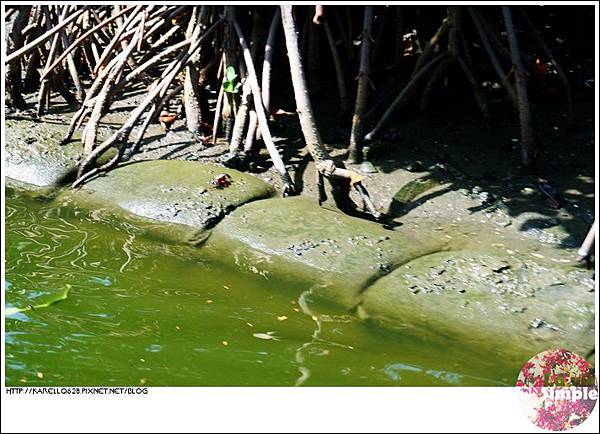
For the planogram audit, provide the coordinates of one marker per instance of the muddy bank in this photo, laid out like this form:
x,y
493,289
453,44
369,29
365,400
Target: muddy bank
x,y
33,157
339,255
462,260
503,305
182,193
482,301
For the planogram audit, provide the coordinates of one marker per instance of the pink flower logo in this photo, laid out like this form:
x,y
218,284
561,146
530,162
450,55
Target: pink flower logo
x,y
558,389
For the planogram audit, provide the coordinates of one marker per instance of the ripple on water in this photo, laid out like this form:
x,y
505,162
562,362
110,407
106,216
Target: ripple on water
x,y
394,370
140,310
105,281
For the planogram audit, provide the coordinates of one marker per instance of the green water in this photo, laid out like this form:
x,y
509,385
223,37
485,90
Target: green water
x,y
142,312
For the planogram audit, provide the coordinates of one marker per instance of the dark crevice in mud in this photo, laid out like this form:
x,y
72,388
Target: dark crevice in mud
x,y
198,238
64,180
390,269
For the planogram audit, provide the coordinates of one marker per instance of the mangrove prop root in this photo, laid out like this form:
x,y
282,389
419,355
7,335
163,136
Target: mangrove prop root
x,y
355,146
259,107
404,95
158,91
95,56
268,61
339,71
104,99
13,68
435,77
523,100
559,70
399,36
44,91
265,82
33,44
217,117
191,86
586,247
240,119
252,131
483,35
341,179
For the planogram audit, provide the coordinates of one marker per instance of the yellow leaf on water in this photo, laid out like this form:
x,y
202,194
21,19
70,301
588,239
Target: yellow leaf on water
x,y
249,324
225,343
296,309
209,301
282,318
40,375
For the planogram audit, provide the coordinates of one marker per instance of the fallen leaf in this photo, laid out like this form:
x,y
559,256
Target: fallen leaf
x,y
282,318
225,343
40,375
209,301
249,324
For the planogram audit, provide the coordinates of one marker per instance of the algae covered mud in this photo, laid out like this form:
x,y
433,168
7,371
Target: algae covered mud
x,y
142,312
153,275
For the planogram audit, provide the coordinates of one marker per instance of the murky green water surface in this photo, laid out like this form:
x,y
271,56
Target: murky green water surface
x,y
142,312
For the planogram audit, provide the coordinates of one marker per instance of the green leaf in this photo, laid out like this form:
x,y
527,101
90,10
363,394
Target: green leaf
x,y
62,296
230,73
229,87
